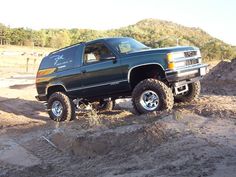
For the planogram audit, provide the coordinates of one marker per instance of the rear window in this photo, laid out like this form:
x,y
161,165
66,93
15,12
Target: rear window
x,y
62,60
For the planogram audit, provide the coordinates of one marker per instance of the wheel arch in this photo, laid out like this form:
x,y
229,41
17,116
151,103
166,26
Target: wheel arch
x,y
145,69
55,88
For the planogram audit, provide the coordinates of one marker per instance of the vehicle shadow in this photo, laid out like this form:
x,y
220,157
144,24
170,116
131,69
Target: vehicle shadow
x,y
28,108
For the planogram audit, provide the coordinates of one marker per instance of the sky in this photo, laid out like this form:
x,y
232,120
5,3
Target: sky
x,y
216,17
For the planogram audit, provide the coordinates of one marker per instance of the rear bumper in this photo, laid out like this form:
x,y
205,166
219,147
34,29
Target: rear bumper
x,y
195,72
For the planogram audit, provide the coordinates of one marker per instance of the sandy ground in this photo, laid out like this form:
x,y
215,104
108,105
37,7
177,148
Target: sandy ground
x,y
195,139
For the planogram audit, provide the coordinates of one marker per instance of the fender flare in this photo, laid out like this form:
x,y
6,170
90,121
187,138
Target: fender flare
x,y
136,66
53,85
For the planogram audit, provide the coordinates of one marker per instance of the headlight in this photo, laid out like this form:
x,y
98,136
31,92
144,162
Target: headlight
x,y
199,54
200,60
175,55
171,57
180,64
178,55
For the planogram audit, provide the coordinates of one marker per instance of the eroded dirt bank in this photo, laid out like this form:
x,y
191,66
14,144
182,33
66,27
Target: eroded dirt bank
x,y
175,145
221,80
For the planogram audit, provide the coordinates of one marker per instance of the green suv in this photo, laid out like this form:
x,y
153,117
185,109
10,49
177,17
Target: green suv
x,y
107,69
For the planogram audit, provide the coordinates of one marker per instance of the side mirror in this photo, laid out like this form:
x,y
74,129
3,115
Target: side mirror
x,y
113,58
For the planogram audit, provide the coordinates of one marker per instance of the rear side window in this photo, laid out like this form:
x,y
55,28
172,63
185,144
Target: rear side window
x,y
62,60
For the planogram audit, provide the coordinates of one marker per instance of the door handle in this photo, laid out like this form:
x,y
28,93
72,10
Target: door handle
x,y
83,71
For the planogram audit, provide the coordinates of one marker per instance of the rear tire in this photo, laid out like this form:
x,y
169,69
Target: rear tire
x,y
191,95
106,105
152,95
61,107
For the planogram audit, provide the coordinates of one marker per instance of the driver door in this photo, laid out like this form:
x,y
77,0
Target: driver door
x,y
101,70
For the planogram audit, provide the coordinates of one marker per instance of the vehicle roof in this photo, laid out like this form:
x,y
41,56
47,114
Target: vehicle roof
x,y
67,47
108,38
96,40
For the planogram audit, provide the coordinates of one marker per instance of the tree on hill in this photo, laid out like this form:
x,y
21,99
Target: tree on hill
x,y
3,34
60,39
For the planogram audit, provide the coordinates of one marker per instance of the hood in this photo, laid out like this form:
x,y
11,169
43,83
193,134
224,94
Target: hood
x,y
162,50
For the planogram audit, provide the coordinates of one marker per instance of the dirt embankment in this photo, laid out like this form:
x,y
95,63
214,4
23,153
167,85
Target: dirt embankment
x,y
189,145
221,79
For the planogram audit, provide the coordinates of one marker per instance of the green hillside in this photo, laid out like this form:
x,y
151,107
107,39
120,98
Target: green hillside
x,y
158,33
152,32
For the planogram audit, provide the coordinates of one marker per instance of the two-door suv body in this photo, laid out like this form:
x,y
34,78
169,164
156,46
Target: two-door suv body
x,y
106,69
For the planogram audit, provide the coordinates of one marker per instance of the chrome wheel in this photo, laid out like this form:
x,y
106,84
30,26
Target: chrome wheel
x,y
57,108
149,100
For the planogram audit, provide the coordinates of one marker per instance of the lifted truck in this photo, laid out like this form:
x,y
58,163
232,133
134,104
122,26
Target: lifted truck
x,y
106,69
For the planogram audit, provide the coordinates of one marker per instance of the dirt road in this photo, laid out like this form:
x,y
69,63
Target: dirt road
x,y
196,139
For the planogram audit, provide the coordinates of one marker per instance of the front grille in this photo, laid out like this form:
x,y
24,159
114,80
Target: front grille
x,y
190,54
191,62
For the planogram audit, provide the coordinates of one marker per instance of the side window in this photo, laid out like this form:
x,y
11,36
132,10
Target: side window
x,y
62,60
97,52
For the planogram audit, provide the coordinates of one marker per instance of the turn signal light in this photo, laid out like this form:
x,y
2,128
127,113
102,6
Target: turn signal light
x,y
171,65
170,62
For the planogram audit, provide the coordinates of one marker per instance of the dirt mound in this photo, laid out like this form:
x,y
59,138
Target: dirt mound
x,y
131,138
221,79
215,106
184,145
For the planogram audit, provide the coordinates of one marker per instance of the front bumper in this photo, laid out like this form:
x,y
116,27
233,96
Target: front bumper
x,y
186,73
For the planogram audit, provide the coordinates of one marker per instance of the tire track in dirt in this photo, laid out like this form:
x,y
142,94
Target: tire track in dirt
x,y
53,161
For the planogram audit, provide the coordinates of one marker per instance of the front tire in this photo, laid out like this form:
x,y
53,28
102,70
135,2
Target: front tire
x,y
61,107
191,95
152,95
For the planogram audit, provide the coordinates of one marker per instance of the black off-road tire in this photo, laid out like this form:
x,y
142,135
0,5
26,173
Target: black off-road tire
x,y
107,105
68,112
191,95
166,99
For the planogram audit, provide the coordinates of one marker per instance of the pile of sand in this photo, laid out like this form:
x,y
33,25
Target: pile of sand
x,y
221,79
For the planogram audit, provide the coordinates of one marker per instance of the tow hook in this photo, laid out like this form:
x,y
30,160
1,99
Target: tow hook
x,y
180,89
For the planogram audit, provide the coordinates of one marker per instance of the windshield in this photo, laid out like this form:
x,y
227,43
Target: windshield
x,y
127,45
